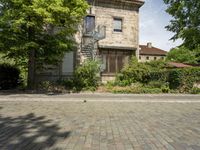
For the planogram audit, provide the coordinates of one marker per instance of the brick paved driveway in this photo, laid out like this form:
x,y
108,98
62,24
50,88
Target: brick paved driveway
x,y
99,125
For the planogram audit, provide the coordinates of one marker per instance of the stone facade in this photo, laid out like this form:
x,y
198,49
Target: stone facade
x,y
118,45
129,37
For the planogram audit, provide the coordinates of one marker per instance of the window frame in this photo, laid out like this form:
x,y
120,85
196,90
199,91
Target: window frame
x,y
86,30
117,30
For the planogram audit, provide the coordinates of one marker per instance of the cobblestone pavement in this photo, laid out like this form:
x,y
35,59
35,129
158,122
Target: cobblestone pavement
x,y
99,126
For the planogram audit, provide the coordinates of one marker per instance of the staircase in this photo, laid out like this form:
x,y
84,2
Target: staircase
x,y
89,47
87,50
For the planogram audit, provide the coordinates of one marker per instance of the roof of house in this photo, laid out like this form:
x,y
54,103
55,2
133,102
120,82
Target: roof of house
x,y
150,50
179,65
137,2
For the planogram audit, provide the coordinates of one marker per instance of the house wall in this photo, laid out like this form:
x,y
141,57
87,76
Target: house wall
x,y
143,58
129,37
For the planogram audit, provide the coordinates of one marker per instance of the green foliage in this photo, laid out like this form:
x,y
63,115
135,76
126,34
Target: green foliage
x,y
9,77
45,27
156,65
155,75
51,87
186,21
195,90
136,90
197,54
183,79
182,55
159,75
133,72
86,76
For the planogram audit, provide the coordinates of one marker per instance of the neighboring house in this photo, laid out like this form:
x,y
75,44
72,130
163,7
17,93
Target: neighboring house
x,y
110,32
149,53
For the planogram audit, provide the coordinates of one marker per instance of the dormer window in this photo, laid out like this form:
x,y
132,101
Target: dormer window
x,y
117,24
89,24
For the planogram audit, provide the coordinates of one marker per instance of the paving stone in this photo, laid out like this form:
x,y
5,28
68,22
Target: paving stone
x,y
63,125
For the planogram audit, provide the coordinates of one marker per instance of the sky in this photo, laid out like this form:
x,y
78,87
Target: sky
x,y
153,20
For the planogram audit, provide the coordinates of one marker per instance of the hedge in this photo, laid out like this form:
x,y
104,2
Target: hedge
x,y
9,77
177,79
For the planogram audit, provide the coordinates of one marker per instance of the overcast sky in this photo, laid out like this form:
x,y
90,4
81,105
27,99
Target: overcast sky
x,y
153,20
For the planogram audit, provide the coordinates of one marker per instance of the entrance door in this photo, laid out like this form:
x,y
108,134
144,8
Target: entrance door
x,y
114,60
68,64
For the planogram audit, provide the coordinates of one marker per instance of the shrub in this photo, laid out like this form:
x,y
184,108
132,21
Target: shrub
x,y
183,79
52,87
195,90
155,84
134,72
67,83
159,76
156,65
135,90
87,76
9,77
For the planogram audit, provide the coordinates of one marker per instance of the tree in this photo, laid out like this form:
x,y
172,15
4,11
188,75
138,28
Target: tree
x,y
38,32
186,22
182,55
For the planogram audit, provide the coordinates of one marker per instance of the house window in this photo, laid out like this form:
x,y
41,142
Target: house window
x,y
89,24
117,25
147,57
155,58
140,57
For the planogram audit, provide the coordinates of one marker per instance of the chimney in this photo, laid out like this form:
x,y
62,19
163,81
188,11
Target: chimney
x,y
149,45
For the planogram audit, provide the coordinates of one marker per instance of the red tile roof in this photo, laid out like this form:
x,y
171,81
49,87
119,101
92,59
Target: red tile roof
x,y
145,50
178,65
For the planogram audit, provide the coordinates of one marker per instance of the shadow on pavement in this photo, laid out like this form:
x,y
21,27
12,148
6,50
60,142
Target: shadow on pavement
x,y
29,132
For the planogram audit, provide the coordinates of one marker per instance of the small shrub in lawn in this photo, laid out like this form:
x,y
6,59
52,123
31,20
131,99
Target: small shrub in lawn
x,y
165,89
155,84
48,86
68,83
9,77
195,90
87,75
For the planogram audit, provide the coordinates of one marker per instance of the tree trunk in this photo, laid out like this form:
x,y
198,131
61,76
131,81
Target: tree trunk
x,y
31,70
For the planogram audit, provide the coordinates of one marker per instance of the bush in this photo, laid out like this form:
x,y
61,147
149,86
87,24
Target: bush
x,y
133,72
9,77
195,90
155,75
52,87
158,76
87,76
135,90
183,79
67,83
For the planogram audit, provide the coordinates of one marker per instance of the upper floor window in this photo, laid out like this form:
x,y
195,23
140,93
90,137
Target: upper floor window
x,y
117,25
89,24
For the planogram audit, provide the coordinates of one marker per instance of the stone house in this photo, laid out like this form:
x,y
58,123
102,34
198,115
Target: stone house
x,y
109,32
150,53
